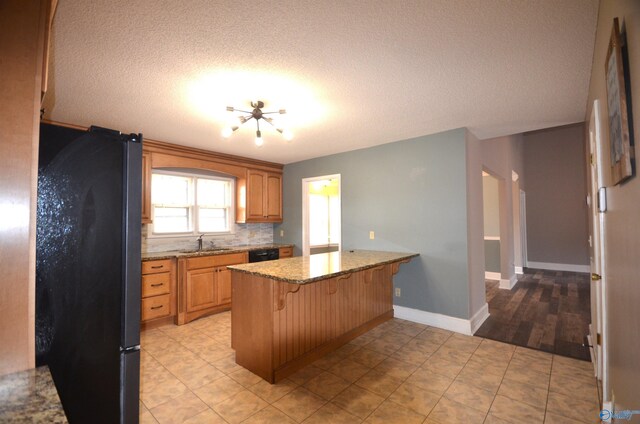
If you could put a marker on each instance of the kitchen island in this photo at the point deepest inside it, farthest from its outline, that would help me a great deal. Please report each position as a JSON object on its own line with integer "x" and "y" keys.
{"x": 289, "y": 312}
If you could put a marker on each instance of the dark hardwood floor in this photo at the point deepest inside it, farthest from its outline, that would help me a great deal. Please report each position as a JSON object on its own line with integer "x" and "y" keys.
{"x": 545, "y": 310}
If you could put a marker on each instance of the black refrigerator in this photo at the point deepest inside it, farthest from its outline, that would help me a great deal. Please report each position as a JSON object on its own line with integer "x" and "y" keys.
{"x": 88, "y": 270}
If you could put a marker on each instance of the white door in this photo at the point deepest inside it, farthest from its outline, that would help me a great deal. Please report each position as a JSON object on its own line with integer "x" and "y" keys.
{"x": 598, "y": 327}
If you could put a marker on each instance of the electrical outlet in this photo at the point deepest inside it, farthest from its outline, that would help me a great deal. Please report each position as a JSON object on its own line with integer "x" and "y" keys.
{"x": 281, "y": 233}
{"x": 397, "y": 291}
{"x": 372, "y": 235}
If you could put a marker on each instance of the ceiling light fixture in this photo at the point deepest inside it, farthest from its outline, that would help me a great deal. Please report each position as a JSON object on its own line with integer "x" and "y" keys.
{"x": 256, "y": 114}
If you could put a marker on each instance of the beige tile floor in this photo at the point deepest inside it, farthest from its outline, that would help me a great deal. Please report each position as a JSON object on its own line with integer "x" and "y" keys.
{"x": 399, "y": 372}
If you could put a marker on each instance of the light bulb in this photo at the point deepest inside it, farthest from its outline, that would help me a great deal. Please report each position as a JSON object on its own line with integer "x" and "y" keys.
{"x": 226, "y": 132}
{"x": 288, "y": 135}
{"x": 259, "y": 140}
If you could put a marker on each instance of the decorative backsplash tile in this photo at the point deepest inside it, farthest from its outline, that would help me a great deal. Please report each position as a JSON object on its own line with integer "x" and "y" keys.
{"x": 243, "y": 234}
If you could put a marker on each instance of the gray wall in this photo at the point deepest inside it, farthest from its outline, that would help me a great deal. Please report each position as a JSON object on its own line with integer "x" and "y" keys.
{"x": 492, "y": 255}
{"x": 413, "y": 194}
{"x": 622, "y": 241}
{"x": 475, "y": 230}
{"x": 557, "y": 228}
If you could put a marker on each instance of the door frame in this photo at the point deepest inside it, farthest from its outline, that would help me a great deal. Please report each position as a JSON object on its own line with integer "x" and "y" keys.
{"x": 598, "y": 261}
{"x": 306, "y": 248}
{"x": 523, "y": 227}
{"x": 518, "y": 256}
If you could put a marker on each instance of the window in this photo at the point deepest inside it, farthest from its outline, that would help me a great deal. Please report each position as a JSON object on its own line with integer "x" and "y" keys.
{"x": 185, "y": 203}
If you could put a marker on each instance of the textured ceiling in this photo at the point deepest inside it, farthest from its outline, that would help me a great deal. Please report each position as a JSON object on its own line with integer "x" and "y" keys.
{"x": 351, "y": 74}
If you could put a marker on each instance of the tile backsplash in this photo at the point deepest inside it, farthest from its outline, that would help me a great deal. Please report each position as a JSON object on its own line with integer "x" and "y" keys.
{"x": 243, "y": 234}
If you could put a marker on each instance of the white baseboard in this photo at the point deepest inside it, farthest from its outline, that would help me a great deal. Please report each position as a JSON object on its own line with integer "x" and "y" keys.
{"x": 559, "y": 267}
{"x": 488, "y": 275}
{"x": 607, "y": 406}
{"x": 459, "y": 325}
{"x": 508, "y": 284}
{"x": 519, "y": 270}
{"x": 479, "y": 318}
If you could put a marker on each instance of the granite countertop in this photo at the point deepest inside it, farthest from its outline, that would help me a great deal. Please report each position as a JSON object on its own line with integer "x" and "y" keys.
{"x": 30, "y": 397}
{"x": 307, "y": 269}
{"x": 149, "y": 256}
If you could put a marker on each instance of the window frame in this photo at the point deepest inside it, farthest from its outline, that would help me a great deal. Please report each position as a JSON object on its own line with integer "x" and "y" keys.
{"x": 193, "y": 208}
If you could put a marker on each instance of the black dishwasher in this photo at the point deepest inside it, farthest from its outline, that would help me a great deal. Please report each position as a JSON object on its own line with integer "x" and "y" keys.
{"x": 260, "y": 255}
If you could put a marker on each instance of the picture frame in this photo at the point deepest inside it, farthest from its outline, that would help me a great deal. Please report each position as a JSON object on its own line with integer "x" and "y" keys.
{"x": 617, "y": 106}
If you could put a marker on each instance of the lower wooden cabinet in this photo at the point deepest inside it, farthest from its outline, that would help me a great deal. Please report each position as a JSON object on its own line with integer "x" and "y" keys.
{"x": 285, "y": 252}
{"x": 156, "y": 307}
{"x": 158, "y": 292}
{"x": 224, "y": 285}
{"x": 205, "y": 285}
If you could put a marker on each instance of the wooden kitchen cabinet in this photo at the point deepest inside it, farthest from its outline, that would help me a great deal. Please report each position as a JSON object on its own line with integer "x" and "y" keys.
{"x": 224, "y": 285}
{"x": 201, "y": 289}
{"x": 146, "y": 187}
{"x": 158, "y": 292}
{"x": 258, "y": 183}
{"x": 263, "y": 196}
{"x": 285, "y": 252}
{"x": 205, "y": 285}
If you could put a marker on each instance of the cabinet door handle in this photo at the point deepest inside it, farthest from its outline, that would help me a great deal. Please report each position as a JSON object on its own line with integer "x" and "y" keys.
{"x": 156, "y": 307}
{"x": 157, "y": 266}
{"x": 157, "y": 285}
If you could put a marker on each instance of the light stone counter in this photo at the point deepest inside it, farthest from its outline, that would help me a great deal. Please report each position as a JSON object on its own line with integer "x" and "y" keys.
{"x": 307, "y": 269}
{"x": 222, "y": 250}
{"x": 30, "y": 397}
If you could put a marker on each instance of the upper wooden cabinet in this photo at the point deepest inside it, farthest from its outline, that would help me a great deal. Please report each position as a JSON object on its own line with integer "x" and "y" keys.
{"x": 146, "y": 187}
{"x": 258, "y": 183}
{"x": 263, "y": 197}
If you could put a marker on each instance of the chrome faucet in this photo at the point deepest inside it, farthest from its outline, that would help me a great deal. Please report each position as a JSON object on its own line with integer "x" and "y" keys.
{"x": 200, "y": 242}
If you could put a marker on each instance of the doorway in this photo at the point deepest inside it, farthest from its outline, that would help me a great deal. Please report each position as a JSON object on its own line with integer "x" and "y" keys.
{"x": 321, "y": 214}
{"x": 491, "y": 214}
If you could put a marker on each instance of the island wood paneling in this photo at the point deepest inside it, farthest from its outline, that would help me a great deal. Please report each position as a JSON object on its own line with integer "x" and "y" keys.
{"x": 279, "y": 327}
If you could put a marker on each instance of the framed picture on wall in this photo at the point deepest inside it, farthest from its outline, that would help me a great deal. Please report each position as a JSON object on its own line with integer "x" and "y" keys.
{"x": 619, "y": 128}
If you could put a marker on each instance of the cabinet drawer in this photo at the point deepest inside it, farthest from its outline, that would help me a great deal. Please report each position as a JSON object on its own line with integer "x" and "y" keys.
{"x": 217, "y": 260}
{"x": 286, "y": 252}
{"x": 156, "y": 307}
{"x": 155, "y": 284}
{"x": 154, "y": 267}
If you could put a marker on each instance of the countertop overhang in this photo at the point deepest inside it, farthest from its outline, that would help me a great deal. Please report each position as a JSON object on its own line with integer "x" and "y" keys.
{"x": 307, "y": 269}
